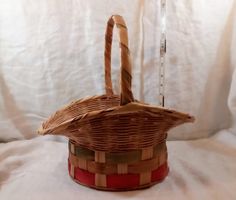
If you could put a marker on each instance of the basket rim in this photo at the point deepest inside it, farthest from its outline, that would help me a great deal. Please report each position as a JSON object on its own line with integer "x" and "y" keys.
{"x": 131, "y": 107}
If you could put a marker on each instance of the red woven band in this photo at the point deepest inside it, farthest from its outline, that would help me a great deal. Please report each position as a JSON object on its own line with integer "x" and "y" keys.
{"x": 117, "y": 181}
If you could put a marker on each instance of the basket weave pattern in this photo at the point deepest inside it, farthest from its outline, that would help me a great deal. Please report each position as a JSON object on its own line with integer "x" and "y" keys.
{"x": 116, "y": 171}
{"x": 115, "y": 142}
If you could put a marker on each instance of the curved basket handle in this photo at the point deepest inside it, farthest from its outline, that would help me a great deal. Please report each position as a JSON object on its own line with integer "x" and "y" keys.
{"x": 126, "y": 77}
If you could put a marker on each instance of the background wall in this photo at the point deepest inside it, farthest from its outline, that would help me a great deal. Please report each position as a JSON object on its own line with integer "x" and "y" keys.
{"x": 51, "y": 52}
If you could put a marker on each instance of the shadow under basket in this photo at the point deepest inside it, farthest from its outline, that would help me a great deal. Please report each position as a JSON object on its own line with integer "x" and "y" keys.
{"x": 115, "y": 142}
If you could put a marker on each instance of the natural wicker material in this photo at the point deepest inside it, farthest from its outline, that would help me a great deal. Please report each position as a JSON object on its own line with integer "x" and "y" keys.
{"x": 114, "y": 138}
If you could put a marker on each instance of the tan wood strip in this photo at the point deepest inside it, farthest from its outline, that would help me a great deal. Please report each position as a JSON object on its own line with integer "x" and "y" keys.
{"x": 82, "y": 164}
{"x": 147, "y": 153}
{"x": 100, "y": 156}
{"x": 162, "y": 157}
{"x": 100, "y": 180}
{"x": 123, "y": 37}
{"x": 72, "y": 170}
{"x": 119, "y": 20}
{"x": 102, "y": 168}
{"x": 145, "y": 178}
{"x": 72, "y": 148}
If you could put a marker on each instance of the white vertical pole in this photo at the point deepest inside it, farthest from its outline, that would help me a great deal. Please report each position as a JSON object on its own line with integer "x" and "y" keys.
{"x": 162, "y": 54}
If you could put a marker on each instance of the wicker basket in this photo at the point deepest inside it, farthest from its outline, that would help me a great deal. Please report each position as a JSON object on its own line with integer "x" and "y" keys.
{"x": 115, "y": 142}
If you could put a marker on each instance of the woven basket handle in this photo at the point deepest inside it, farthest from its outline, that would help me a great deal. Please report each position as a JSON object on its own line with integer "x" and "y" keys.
{"x": 126, "y": 77}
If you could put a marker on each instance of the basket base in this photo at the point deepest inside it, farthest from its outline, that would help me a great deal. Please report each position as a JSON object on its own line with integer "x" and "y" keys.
{"x": 158, "y": 176}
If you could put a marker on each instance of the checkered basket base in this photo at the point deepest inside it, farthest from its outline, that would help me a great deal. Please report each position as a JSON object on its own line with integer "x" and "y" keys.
{"x": 118, "y": 171}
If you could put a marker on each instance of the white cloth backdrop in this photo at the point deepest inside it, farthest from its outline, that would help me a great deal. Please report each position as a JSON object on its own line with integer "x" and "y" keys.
{"x": 51, "y": 52}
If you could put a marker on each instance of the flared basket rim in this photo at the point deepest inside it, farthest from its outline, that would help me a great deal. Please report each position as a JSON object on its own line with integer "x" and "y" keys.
{"x": 133, "y": 107}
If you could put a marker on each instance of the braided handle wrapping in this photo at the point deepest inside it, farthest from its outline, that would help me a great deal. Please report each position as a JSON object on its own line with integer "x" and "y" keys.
{"x": 126, "y": 77}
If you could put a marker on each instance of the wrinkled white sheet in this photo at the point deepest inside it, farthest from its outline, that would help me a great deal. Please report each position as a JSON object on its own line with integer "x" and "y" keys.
{"x": 51, "y": 52}
{"x": 201, "y": 169}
